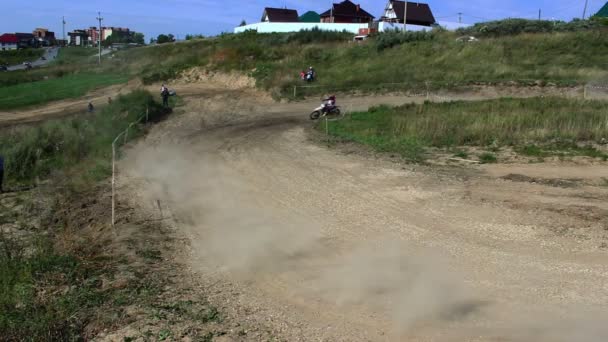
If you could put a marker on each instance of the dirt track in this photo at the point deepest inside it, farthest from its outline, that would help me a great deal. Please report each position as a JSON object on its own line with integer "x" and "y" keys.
{"x": 319, "y": 244}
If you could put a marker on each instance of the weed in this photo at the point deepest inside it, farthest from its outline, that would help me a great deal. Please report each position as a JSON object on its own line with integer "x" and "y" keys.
{"x": 461, "y": 154}
{"x": 164, "y": 334}
{"x": 488, "y": 158}
{"x": 150, "y": 255}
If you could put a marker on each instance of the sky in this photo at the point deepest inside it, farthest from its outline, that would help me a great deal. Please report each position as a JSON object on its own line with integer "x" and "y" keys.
{"x": 210, "y": 17}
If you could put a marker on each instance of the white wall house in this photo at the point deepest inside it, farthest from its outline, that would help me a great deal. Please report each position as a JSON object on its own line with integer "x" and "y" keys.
{"x": 8, "y": 46}
{"x": 267, "y": 27}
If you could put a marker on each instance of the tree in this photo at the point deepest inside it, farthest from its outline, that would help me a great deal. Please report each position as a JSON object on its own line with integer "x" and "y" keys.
{"x": 194, "y": 36}
{"x": 164, "y": 38}
{"x": 243, "y": 23}
{"x": 139, "y": 38}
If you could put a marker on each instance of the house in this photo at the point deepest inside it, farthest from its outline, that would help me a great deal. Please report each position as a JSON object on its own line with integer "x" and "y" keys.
{"x": 117, "y": 31}
{"x": 78, "y": 38}
{"x": 279, "y": 15}
{"x": 417, "y": 13}
{"x": 26, "y": 40}
{"x": 8, "y": 41}
{"x": 310, "y": 17}
{"x": 346, "y": 12}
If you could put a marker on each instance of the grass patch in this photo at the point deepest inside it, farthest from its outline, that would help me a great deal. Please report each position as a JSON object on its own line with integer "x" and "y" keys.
{"x": 534, "y": 127}
{"x": 14, "y": 57}
{"x": 28, "y": 314}
{"x": 488, "y": 158}
{"x": 72, "y": 86}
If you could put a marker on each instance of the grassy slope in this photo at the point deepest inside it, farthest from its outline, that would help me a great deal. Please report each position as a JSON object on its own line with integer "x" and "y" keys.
{"x": 71, "y": 86}
{"x": 14, "y": 57}
{"x": 32, "y": 152}
{"x": 535, "y": 126}
{"x": 275, "y": 60}
{"x": 561, "y": 58}
{"x": 79, "y": 147}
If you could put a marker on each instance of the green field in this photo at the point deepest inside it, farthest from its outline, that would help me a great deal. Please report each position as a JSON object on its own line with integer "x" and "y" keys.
{"x": 535, "y": 126}
{"x": 14, "y": 57}
{"x": 39, "y": 92}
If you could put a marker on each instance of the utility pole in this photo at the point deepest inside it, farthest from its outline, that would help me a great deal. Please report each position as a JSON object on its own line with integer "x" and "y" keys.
{"x": 99, "y": 35}
{"x": 539, "y": 14}
{"x": 63, "y": 22}
{"x": 585, "y": 10}
{"x": 460, "y": 17}
{"x": 404, "y": 16}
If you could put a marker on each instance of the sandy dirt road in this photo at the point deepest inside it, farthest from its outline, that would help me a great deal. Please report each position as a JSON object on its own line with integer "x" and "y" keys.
{"x": 319, "y": 244}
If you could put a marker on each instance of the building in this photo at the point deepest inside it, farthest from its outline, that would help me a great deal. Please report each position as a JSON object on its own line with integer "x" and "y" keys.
{"x": 279, "y": 15}
{"x": 26, "y": 40}
{"x": 44, "y": 34}
{"x": 417, "y": 13}
{"x": 78, "y": 38}
{"x": 603, "y": 12}
{"x": 310, "y": 17}
{"x": 346, "y": 12}
{"x": 9, "y": 41}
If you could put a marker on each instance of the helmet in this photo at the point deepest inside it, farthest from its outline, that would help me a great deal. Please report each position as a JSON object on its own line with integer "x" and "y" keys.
{"x": 310, "y": 68}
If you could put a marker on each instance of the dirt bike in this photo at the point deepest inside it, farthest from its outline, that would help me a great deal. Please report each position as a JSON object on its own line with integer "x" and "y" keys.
{"x": 323, "y": 111}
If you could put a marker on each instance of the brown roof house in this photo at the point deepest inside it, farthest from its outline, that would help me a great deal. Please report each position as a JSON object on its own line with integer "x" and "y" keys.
{"x": 280, "y": 15}
{"x": 417, "y": 13}
{"x": 346, "y": 12}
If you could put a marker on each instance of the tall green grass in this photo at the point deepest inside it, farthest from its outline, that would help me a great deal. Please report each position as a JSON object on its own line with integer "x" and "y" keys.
{"x": 55, "y": 145}
{"x": 554, "y": 124}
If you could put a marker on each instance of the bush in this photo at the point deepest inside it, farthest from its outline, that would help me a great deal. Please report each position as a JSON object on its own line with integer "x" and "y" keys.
{"x": 517, "y": 26}
{"x": 390, "y": 39}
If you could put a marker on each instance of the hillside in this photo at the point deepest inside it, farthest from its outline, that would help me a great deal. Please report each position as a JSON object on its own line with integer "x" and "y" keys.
{"x": 390, "y": 61}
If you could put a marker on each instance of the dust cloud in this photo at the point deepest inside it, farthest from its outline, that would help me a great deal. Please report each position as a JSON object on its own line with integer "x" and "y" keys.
{"x": 234, "y": 225}
{"x": 232, "y": 228}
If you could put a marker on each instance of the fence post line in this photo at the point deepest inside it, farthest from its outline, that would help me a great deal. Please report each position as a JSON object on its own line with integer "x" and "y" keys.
{"x": 295, "y": 90}
{"x": 327, "y": 128}
{"x": 585, "y": 92}
{"x": 147, "y": 113}
{"x": 113, "y": 182}
{"x": 126, "y": 135}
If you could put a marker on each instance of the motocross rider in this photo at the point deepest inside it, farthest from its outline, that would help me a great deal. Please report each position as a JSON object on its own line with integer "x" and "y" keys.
{"x": 329, "y": 103}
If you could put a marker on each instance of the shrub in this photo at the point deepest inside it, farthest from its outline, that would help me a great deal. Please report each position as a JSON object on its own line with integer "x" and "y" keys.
{"x": 390, "y": 39}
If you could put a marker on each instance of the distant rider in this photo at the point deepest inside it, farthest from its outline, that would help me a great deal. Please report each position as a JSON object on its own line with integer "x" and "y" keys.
{"x": 310, "y": 74}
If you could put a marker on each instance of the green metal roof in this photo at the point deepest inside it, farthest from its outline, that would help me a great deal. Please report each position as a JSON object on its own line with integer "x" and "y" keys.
{"x": 310, "y": 17}
{"x": 603, "y": 12}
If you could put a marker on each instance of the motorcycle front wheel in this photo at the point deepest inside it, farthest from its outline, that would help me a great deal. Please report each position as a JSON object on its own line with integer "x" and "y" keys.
{"x": 315, "y": 115}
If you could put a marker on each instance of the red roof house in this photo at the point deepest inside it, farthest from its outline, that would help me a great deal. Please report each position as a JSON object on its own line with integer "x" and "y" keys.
{"x": 8, "y": 41}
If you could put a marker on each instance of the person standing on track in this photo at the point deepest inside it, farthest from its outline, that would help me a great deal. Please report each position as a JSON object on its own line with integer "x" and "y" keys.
{"x": 164, "y": 93}
{"x": 1, "y": 173}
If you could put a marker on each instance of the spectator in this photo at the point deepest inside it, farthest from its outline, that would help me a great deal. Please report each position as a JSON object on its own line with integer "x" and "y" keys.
{"x": 91, "y": 108}
{"x": 164, "y": 93}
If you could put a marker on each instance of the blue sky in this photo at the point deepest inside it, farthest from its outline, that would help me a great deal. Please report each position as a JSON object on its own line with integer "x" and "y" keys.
{"x": 214, "y": 16}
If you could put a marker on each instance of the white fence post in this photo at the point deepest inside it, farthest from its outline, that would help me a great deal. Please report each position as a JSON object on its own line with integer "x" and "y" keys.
{"x": 295, "y": 91}
{"x": 113, "y": 181}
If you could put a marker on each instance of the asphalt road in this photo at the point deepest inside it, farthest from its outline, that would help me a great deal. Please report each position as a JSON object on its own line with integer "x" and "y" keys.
{"x": 50, "y": 54}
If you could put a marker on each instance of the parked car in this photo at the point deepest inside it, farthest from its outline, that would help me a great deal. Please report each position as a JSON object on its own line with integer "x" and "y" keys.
{"x": 466, "y": 39}
{"x": 3, "y": 68}
{"x": 43, "y": 58}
